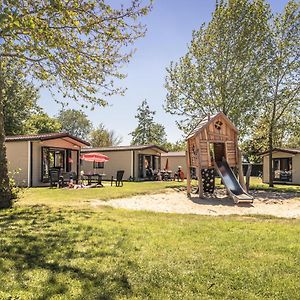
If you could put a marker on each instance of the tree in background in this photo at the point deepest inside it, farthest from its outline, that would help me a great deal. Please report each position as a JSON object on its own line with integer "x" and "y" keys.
{"x": 147, "y": 131}
{"x": 41, "y": 123}
{"x": 76, "y": 47}
{"x": 293, "y": 131}
{"x": 277, "y": 124}
{"x": 286, "y": 135}
{"x": 222, "y": 68}
{"x": 245, "y": 63}
{"x": 75, "y": 122}
{"x": 102, "y": 137}
{"x": 175, "y": 147}
{"x": 282, "y": 76}
{"x": 19, "y": 99}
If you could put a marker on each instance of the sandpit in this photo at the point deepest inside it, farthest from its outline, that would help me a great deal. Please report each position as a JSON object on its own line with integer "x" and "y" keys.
{"x": 285, "y": 205}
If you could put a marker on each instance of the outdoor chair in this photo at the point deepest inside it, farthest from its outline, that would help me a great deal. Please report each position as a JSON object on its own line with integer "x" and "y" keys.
{"x": 55, "y": 179}
{"x": 119, "y": 179}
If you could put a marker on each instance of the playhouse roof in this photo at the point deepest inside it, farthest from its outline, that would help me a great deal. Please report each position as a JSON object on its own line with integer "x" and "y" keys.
{"x": 208, "y": 120}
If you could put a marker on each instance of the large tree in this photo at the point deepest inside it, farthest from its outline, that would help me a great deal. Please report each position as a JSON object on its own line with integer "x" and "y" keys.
{"x": 282, "y": 76}
{"x": 75, "y": 122}
{"x": 222, "y": 68}
{"x": 76, "y": 47}
{"x": 20, "y": 101}
{"x": 102, "y": 137}
{"x": 147, "y": 131}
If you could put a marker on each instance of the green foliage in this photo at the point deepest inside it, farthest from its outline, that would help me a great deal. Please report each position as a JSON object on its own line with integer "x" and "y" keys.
{"x": 282, "y": 93}
{"x": 175, "y": 147}
{"x": 77, "y": 47}
{"x": 20, "y": 101}
{"x": 286, "y": 134}
{"x": 279, "y": 110}
{"x": 15, "y": 191}
{"x": 75, "y": 122}
{"x": 42, "y": 123}
{"x": 147, "y": 131}
{"x": 222, "y": 68}
{"x": 102, "y": 137}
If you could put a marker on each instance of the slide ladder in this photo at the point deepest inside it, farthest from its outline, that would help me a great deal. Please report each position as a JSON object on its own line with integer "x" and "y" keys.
{"x": 231, "y": 183}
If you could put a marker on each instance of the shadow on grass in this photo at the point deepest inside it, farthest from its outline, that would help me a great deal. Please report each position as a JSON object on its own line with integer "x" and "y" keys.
{"x": 67, "y": 251}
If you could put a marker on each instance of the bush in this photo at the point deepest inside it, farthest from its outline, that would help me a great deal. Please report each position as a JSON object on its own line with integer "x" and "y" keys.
{"x": 14, "y": 189}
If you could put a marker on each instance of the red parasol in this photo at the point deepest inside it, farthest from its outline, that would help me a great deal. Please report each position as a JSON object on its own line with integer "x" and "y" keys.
{"x": 94, "y": 156}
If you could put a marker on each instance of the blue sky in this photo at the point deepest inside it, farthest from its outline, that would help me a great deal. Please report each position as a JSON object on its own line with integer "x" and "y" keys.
{"x": 169, "y": 30}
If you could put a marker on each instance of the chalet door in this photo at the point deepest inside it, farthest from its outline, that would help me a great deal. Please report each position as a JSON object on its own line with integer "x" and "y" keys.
{"x": 282, "y": 169}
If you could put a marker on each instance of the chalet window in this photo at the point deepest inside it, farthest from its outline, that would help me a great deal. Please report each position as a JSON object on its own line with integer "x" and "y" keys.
{"x": 52, "y": 159}
{"x": 57, "y": 159}
{"x": 282, "y": 169}
{"x": 146, "y": 162}
{"x": 98, "y": 165}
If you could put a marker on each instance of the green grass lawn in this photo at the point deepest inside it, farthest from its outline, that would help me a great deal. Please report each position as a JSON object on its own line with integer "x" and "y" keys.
{"x": 51, "y": 247}
{"x": 80, "y": 197}
{"x": 257, "y": 184}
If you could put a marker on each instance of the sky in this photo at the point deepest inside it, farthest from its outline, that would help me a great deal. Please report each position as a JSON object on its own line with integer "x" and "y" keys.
{"x": 169, "y": 31}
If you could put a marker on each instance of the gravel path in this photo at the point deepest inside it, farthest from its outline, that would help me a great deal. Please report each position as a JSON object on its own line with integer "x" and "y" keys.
{"x": 283, "y": 205}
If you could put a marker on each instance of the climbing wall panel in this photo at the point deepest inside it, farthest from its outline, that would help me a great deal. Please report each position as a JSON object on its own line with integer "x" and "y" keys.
{"x": 208, "y": 180}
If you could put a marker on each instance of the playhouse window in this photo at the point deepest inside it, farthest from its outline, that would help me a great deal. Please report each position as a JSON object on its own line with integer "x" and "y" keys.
{"x": 218, "y": 125}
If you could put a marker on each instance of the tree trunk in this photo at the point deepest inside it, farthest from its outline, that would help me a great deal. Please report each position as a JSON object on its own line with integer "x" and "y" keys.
{"x": 271, "y": 173}
{"x": 5, "y": 193}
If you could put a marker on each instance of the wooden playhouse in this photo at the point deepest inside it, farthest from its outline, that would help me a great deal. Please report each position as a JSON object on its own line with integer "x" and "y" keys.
{"x": 213, "y": 144}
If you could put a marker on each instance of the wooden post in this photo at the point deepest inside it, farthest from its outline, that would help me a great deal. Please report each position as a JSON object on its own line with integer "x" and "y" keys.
{"x": 199, "y": 175}
{"x": 200, "y": 183}
{"x": 248, "y": 174}
{"x": 240, "y": 169}
{"x": 188, "y": 172}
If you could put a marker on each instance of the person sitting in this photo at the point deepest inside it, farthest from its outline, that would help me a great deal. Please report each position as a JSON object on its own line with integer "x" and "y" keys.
{"x": 179, "y": 175}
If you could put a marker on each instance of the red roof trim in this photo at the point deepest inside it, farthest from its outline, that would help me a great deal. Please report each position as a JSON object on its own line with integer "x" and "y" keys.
{"x": 43, "y": 137}
{"x": 122, "y": 148}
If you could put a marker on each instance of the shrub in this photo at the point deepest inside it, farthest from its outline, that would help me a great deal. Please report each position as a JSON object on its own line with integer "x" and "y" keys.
{"x": 13, "y": 187}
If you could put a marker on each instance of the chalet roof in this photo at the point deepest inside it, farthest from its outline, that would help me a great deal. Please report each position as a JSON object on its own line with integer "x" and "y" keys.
{"x": 174, "y": 154}
{"x": 206, "y": 121}
{"x": 285, "y": 150}
{"x": 124, "y": 148}
{"x": 44, "y": 137}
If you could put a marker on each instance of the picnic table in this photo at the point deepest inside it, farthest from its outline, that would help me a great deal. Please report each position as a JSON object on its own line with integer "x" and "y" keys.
{"x": 94, "y": 178}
